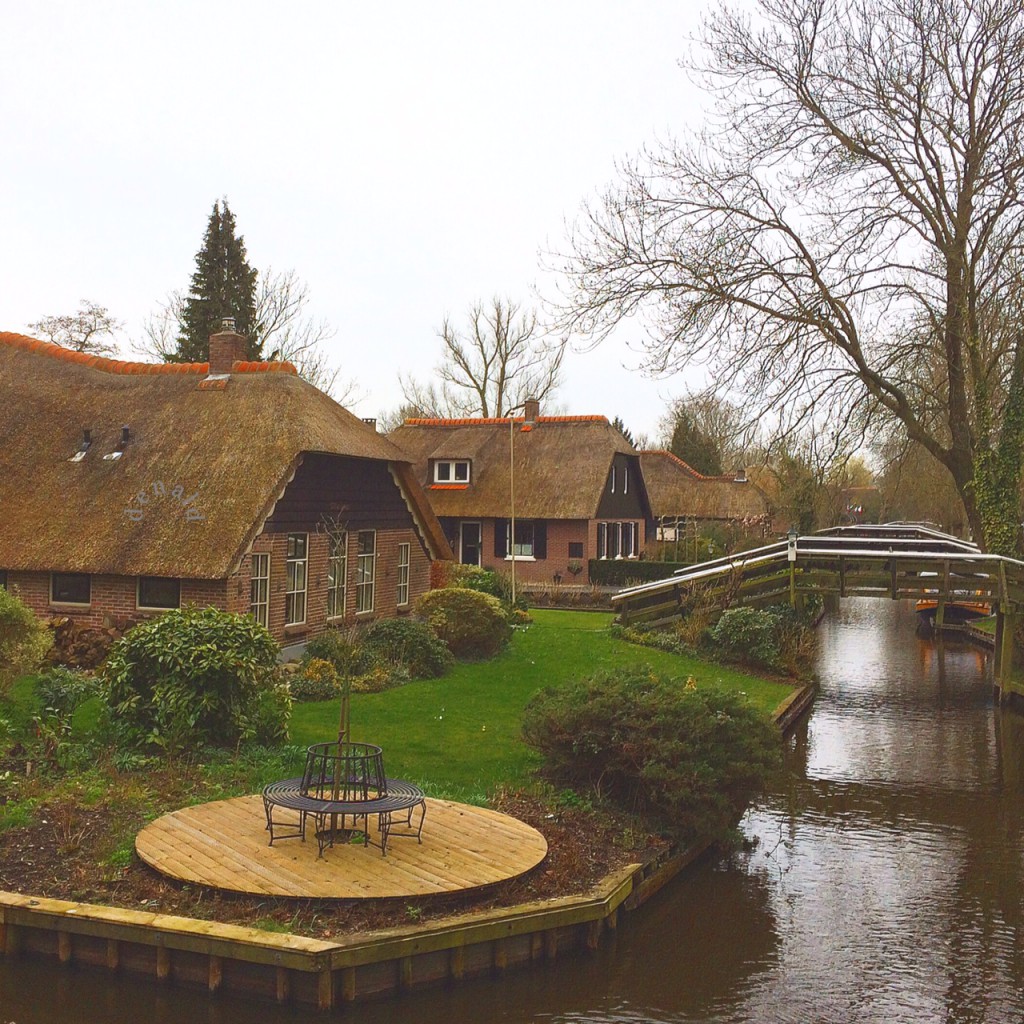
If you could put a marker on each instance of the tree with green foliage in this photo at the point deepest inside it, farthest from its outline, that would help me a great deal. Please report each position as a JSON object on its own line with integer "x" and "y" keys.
{"x": 223, "y": 285}
{"x": 696, "y": 448}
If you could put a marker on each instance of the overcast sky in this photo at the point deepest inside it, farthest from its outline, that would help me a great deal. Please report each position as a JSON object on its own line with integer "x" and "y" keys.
{"x": 405, "y": 159}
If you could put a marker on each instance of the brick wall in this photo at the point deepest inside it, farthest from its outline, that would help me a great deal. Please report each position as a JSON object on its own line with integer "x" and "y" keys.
{"x": 560, "y": 533}
{"x": 112, "y": 597}
{"x": 385, "y": 587}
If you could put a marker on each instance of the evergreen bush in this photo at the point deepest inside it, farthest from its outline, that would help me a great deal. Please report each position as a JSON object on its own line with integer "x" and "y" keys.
{"x": 691, "y": 758}
{"x": 471, "y": 624}
{"x": 752, "y": 635}
{"x": 195, "y": 677}
{"x": 409, "y": 643}
{"x": 343, "y": 648}
{"x": 24, "y": 640}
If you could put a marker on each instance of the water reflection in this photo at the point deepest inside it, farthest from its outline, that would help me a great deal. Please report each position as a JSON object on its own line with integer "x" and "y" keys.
{"x": 881, "y": 882}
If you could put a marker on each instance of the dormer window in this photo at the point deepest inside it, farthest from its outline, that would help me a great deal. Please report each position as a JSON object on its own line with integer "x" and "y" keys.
{"x": 451, "y": 471}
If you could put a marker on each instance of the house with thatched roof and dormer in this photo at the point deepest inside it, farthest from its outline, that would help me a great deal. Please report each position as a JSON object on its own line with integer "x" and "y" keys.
{"x": 550, "y": 492}
{"x": 130, "y": 488}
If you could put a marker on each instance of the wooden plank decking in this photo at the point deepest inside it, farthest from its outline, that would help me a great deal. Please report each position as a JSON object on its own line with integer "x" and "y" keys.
{"x": 224, "y": 845}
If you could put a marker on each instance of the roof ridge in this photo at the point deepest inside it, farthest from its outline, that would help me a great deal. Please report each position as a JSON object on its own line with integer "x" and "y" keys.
{"x": 490, "y": 421}
{"x": 122, "y": 366}
{"x": 726, "y": 477}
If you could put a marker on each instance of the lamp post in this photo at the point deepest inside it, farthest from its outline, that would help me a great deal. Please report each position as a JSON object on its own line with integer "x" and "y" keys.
{"x": 529, "y": 406}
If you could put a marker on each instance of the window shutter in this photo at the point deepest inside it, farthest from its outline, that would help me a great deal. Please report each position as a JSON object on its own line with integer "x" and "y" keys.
{"x": 540, "y": 539}
{"x": 500, "y": 538}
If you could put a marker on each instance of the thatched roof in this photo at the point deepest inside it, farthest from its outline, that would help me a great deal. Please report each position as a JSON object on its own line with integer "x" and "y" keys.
{"x": 561, "y": 464}
{"x": 232, "y": 443}
{"x": 676, "y": 489}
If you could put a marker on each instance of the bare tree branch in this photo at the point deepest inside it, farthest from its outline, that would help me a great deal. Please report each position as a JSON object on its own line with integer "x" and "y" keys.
{"x": 853, "y": 215}
{"x": 88, "y": 330}
{"x": 492, "y": 368}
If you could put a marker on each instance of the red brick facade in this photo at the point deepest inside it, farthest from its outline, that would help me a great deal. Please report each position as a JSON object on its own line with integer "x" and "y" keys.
{"x": 114, "y": 597}
{"x": 560, "y": 533}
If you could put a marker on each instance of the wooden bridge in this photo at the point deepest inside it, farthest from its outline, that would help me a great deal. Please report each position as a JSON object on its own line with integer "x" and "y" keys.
{"x": 896, "y": 561}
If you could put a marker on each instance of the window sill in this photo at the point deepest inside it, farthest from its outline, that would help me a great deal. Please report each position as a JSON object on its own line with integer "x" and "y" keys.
{"x": 70, "y": 604}
{"x": 520, "y": 558}
{"x": 293, "y": 628}
{"x": 335, "y": 618}
{"x": 153, "y": 608}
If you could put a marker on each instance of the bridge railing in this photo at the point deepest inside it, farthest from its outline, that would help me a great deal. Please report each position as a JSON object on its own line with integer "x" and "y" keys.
{"x": 896, "y": 567}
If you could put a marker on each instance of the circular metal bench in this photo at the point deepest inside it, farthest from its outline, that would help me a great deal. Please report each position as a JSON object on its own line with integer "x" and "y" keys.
{"x": 345, "y": 780}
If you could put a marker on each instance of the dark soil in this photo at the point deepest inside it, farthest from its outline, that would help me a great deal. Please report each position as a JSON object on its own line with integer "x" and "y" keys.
{"x": 73, "y": 851}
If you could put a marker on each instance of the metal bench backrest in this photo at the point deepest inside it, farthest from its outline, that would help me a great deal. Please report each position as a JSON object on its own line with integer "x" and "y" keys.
{"x": 344, "y": 771}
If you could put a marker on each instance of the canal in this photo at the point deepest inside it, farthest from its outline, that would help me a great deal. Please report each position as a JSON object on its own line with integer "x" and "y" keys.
{"x": 881, "y": 881}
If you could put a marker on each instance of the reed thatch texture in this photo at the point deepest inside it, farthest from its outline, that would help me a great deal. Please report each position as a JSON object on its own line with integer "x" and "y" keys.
{"x": 230, "y": 449}
{"x": 561, "y": 464}
{"x": 677, "y": 490}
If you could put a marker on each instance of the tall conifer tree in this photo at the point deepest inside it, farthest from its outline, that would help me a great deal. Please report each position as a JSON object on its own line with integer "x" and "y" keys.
{"x": 223, "y": 285}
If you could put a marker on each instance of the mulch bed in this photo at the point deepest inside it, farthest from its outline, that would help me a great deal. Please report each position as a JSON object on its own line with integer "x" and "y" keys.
{"x": 64, "y": 854}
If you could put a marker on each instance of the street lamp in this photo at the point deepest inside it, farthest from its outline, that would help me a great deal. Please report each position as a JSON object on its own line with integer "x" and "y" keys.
{"x": 530, "y": 408}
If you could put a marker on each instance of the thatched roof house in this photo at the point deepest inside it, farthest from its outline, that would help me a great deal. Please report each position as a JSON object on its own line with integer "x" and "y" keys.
{"x": 128, "y": 470}
{"x": 677, "y": 491}
{"x": 578, "y": 490}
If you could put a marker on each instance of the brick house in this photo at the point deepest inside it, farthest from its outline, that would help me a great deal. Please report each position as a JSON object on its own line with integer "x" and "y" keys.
{"x": 579, "y": 491}
{"x": 130, "y": 488}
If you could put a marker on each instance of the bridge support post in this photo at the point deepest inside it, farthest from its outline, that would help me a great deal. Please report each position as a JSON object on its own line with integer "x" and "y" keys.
{"x": 1006, "y": 627}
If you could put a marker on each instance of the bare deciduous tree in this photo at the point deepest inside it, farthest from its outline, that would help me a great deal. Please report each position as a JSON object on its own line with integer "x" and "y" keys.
{"x": 491, "y": 369}
{"x": 855, "y": 208}
{"x": 282, "y": 327}
{"x": 91, "y": 329}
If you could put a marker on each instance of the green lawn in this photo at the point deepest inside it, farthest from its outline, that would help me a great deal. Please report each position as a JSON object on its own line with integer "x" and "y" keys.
{"x": 459, "y": 736}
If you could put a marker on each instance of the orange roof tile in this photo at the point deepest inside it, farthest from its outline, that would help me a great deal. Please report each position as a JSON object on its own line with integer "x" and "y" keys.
{"x": 95, "y": 362}
{"x": 485, "y": 421}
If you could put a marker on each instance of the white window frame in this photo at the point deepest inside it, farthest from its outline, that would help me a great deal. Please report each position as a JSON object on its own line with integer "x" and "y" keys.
{"x": 510, "y": 549}
{"x": 71, "y": 604}
{"x": 622, "y": 537}
{"x": 259, "y": 560}
{"x": 613, "y": 479}
{"x": 337, "y": 576}
{"x": 404, "y": 559}
{"x": 625, "y": 479}
{"x": 451, "y": 467}
{"x": 153, "y": 607}
{"x": 366, "y": 573}
{"x": 294, "y": 568}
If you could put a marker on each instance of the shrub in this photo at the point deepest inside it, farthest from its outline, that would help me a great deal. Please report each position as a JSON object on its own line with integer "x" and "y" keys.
{"x": 61, "y": 691}
{"x": 485, "y": 581}
{"x": 24, "y": 640}
{"x": 384, "y": 676}
{"x": 409, "y": 643}
{"x": 770, "y": 637}
{"x": 318, "y": 680}
{"x": 690, "y": 758}
{"x": 471, "y": 624}
{"x": 343, "y": 648}
{"x": 192, "y": 678}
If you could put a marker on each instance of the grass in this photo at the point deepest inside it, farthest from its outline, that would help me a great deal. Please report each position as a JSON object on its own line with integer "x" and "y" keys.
{"x": 459, "y": 736}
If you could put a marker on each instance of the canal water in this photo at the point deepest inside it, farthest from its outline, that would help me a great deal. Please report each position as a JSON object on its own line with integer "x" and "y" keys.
{"x": 882, "y": 881}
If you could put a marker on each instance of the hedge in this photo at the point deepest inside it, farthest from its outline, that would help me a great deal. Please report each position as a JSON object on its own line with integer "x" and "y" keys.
{"x": 620, "y": 571}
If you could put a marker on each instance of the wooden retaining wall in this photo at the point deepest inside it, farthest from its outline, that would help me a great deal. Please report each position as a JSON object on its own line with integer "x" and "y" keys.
{"x": 330, "y": 973}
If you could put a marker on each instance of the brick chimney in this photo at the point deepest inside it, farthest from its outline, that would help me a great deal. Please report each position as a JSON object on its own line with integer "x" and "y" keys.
{"x": 226, "y": 346}
{"x": 531, "y": 410}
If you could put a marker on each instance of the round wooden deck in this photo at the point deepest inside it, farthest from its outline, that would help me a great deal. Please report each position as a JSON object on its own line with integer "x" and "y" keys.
{"x": 224, "y": 845}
